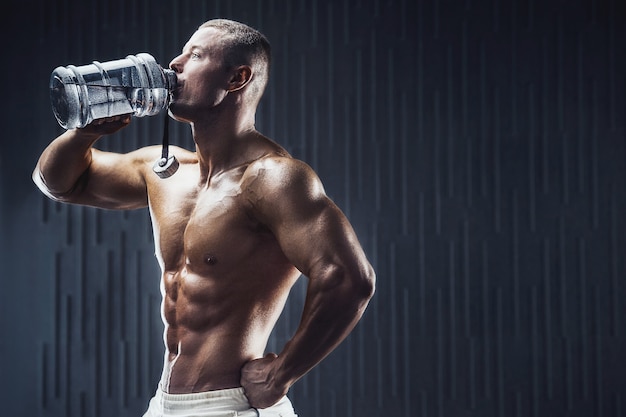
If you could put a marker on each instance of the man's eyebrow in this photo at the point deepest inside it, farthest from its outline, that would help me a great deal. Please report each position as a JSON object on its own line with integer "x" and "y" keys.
{"x": 193, "y": 46}
{"x": 186, "y": 47}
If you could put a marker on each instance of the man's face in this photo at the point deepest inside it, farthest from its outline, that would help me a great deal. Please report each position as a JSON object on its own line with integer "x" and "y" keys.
{"x": 202, "y": 76}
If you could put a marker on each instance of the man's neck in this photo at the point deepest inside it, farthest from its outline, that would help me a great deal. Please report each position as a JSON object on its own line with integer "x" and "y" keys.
{"x": 221, "y": 143}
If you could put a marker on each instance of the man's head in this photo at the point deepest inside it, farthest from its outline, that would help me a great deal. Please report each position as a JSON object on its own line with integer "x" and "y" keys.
{"x": 244, "y": 45}
{"x": 222, "y": 57}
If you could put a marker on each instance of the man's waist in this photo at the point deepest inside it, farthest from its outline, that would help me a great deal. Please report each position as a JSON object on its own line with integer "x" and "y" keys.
{"x": 236, "y": 394}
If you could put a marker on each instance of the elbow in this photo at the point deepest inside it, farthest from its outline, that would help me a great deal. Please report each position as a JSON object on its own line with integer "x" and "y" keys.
{"x": 354, "y": 284}
{"x": 367, "y": 283}
{"x": 40, "y": 182}
{"x": 357, "y": 284}
{"x": 361, "y": 286}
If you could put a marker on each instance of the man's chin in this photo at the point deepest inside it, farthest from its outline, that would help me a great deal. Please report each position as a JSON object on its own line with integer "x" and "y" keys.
{"x": 174, "y": 113}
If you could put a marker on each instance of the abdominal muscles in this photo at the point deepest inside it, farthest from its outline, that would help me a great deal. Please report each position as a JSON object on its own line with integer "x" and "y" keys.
{"x": 214, "y": 326}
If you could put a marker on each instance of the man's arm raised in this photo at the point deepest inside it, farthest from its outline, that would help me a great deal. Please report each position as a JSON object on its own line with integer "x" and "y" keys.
{"x": 71, "y": 170}
{"x": 287, "y": 196}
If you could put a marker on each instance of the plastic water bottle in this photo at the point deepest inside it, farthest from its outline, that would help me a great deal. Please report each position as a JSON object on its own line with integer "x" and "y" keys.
{"x": 136, "y": 85}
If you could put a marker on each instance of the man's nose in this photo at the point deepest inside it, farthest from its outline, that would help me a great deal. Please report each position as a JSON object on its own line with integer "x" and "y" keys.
{"x": 176, "y": 64}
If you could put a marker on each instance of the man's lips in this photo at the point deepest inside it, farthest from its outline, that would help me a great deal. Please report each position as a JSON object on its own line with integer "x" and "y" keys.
{"x": 176, "y": 90}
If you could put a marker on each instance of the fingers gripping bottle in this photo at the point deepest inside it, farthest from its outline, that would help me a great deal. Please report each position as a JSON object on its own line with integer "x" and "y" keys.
{"x": 135, "y": 85}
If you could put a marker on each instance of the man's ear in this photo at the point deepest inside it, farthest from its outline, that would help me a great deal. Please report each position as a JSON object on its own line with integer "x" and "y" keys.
{"x": 240, "y": 78}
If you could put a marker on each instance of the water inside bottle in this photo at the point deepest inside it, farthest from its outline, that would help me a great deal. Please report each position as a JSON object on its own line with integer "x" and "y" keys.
{"x": 107, "y": 101}
{"x": 148, "y": 101}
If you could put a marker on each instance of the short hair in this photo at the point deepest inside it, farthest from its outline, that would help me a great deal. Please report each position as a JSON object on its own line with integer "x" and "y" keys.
{"x": 244, "y": 45}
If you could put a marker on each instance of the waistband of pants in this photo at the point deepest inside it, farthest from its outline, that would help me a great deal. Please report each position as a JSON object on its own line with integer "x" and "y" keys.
{"x": 205, "y": 395}
{"x": 232, "y": 397}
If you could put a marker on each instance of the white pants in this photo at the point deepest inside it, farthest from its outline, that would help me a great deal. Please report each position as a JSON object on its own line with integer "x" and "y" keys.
{"x": 220, "y": 403}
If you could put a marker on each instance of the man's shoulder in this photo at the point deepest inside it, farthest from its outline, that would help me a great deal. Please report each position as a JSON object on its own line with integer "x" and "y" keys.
{"x": 279, "y": 170}
{"x": 277, "y": 180}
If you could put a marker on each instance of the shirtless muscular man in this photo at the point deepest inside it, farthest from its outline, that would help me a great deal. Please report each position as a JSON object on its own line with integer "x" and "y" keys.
{"x": 234, "y": 228}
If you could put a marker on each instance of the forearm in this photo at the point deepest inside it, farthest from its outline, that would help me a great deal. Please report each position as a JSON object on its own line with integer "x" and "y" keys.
{"x": 64, "y": 161}
{"x": 334, "y": 305}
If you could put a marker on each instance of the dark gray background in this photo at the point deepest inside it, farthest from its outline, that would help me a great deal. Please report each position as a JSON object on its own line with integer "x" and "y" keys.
{"x": 477, "y": 146}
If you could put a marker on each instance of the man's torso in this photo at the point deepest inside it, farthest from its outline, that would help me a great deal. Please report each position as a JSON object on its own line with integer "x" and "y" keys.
{"x": 225, "y": 278}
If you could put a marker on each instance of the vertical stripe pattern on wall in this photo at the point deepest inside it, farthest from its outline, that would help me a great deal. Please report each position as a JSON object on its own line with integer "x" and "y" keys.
{"x": 478, "y": 147}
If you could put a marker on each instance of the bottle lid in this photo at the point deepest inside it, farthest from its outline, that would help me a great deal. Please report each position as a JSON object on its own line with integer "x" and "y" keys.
{"x": 165, "y": 168}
